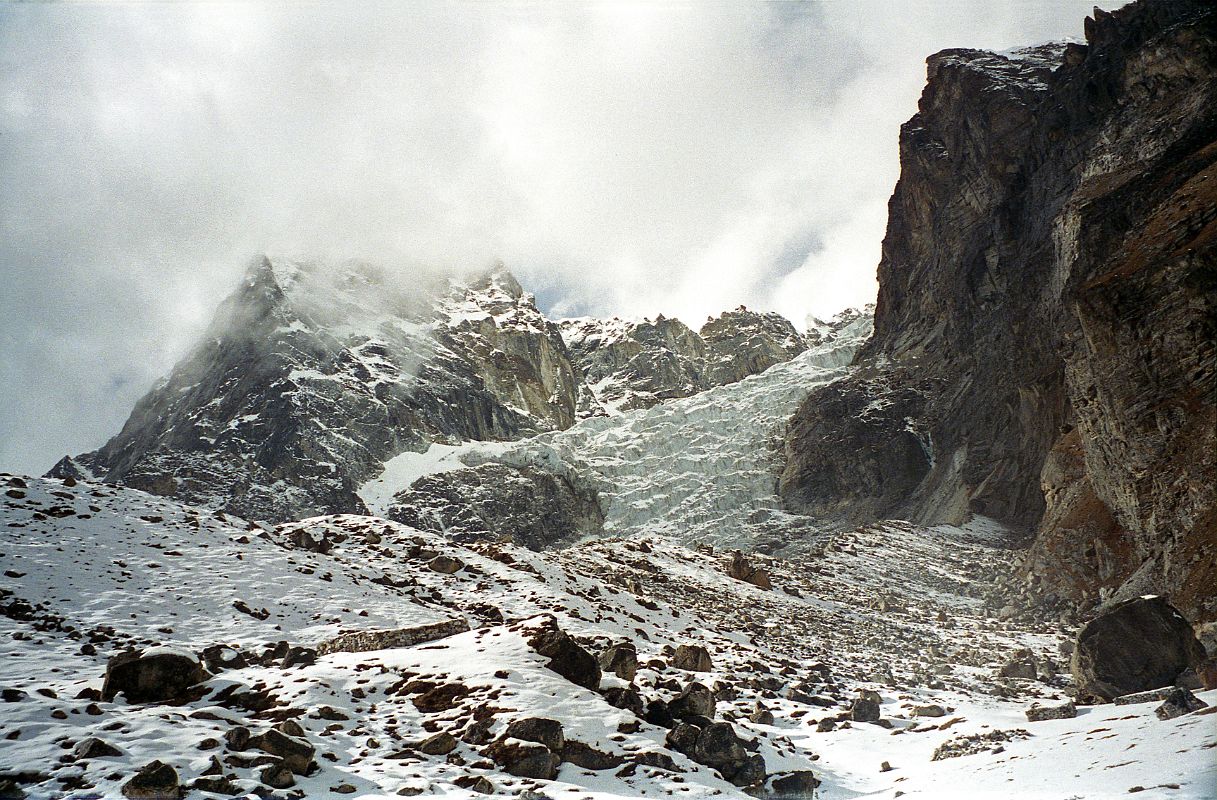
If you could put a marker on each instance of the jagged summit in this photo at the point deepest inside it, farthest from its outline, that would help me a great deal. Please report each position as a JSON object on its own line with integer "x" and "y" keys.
{"x": 314, "y": 374}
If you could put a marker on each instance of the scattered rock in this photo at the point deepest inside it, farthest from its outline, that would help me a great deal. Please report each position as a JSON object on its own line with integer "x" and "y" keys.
{"x": 932, "y": 710}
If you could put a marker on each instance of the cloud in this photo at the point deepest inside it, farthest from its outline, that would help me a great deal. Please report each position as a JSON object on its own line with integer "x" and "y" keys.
{"x": 626, "y": 158}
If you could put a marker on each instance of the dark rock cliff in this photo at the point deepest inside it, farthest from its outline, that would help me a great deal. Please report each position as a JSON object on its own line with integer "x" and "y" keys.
{"x": 1045, "y": 322}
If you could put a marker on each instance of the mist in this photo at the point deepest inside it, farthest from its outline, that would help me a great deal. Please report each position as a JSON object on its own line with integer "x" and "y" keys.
{"x": 619, "y": 158}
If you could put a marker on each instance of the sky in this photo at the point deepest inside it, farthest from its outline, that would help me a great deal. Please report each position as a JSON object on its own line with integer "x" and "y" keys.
{"x": 620, "y": 158}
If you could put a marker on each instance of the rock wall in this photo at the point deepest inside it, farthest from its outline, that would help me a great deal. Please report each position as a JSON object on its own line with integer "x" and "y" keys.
{"x": 1045, "y": 321}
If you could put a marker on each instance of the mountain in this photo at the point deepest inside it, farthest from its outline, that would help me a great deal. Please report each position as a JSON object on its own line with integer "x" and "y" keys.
{"x": 313, "y": 375}
{"x": 638, "y": 364}
{"x": 1046, "y": 330}
{"x": 390, "y": 536}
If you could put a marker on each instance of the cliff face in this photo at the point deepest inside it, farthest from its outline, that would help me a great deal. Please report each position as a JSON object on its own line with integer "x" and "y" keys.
{"x": 1045, "y": 322}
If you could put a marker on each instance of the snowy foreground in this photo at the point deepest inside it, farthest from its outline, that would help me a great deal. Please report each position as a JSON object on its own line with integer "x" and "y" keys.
{"x": 890, "y": 608}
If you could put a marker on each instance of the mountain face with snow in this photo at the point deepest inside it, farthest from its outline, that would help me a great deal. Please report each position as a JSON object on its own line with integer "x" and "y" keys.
{"x": 382, "y": 540}
{"x": 631, "y": 365}
{"x": 312, "y": 376}
{"x": 1045, "y": 341}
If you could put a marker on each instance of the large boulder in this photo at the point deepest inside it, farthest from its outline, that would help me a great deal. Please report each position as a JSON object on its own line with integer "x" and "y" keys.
{"x": 566, "y": 656}
{"x": 297, "y": 754}
{"x": 1134, "y": 646}
{"x": 695, "y": 700}
{"x": 152, "y": 676}
{"x": 537, "y": 729}
{"x": 620, "y": 659}
{"x": 154, "y": 781}
{"x": 524, "y": 759}
{"x": 693, "y": 658}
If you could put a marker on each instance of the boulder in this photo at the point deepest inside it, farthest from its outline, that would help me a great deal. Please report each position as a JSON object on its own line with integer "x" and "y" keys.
{"x": 588, "y": 757}
{"x": 537, "y": 729}
{"x": 694, "y": 700}
{"x": 441, "y": 744}
{"x": 154, "y": 781}
{"x": 94, "y": 748}
{"x": 1021, "y": 665}
{"x": 741, "y": 569}
{"x": 524, "y": 759}
{"x": 297, "y": 754}
{"x": 718, "y": 746}
{"x": 445, "y": 565}
{"x": 932, "y": 710}
{"x": 566, "y": 657}
{"x": 625, "y": 698}
{"x": 277, "y": 776}
{"x": 1039, "y": 713}
{"x": 692, "y": 658}
{"x": 1178, "y": 703}
{"x": 152, "y": 676}
{"x": 794, "y": 784}
{"x": 621, "y": 660}
{"x": 864, "y": 710}
{"x": 1134, "y": 646}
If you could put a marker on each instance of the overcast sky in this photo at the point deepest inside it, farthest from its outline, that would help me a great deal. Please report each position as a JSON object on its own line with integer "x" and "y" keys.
{"x": 621, "y": 158}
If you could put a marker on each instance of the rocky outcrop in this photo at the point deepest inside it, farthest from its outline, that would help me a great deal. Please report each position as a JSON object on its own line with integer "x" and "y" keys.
{"x": 312, "y": 375}
{"x": 529, "y": 506}
{"x": 363, "y": 641}
{"x": 1046, "y": 318}
{"x": 630, "y": 365}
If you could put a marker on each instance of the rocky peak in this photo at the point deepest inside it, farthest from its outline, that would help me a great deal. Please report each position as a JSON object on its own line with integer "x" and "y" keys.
{"x": 313, "y": 374}
{"x": 636, "y": 364}
{"x": 1044, "y": 319}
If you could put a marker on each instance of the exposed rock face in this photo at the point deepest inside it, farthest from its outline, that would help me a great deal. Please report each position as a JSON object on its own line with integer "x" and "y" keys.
{"x": 530, "y": 506}
{"x": 631, "y": 365}
{"x": 1135, "y": 646}
{"x": 1047, "y": 303}
{"x": 311, "y": 376}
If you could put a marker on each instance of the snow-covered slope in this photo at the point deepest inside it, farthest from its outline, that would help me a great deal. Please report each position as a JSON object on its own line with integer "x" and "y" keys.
{"x": 91, "y": 569}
